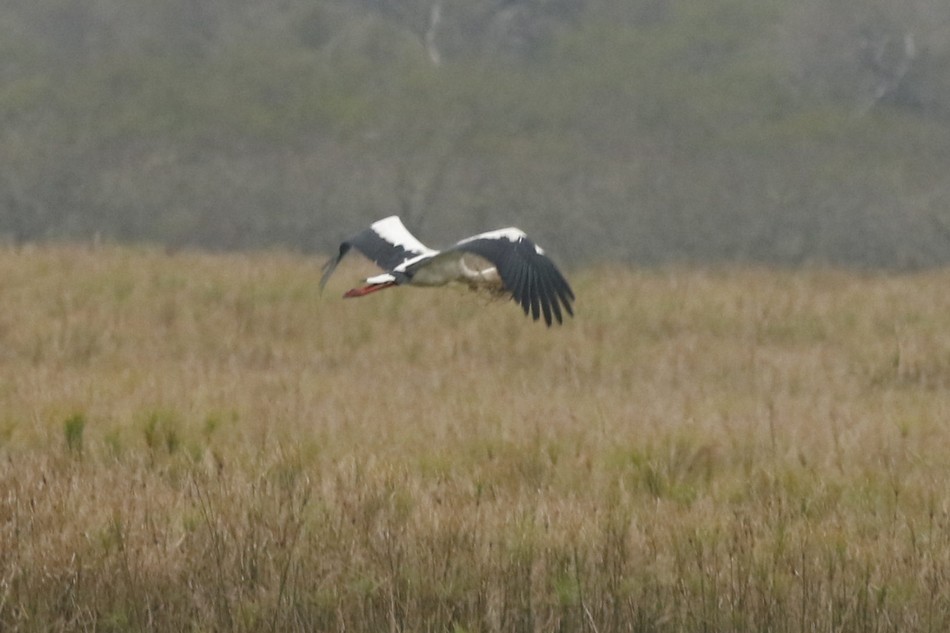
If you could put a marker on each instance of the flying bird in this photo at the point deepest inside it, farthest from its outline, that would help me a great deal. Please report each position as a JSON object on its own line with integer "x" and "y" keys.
{"x": 504, "y": 262}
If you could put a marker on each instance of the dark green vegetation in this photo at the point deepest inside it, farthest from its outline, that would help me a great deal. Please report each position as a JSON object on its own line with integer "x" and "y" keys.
{"x": 200, "y": 443}
{"x": 632, "y": 130}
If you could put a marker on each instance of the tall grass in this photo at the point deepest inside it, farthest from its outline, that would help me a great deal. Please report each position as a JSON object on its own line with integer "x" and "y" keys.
{"x": 204, "y": 442}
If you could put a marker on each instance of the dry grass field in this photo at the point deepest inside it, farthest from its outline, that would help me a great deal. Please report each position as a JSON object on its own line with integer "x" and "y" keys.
{"x": 199, "y": 442}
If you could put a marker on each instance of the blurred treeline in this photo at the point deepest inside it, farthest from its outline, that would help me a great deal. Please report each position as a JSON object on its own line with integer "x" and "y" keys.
{"x": 648, "y": 131}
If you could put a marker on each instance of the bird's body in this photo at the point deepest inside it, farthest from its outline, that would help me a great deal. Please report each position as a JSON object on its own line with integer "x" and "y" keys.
{"x": 504, "y": 262}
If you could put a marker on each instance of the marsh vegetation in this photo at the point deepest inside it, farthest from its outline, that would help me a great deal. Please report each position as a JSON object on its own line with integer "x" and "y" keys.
{"x": 203, "y": 442}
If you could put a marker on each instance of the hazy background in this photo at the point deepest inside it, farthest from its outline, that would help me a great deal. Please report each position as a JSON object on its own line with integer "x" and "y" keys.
{"x": 644, "y": 131}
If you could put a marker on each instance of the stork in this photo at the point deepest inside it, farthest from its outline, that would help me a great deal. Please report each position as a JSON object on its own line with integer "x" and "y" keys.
{"x": 503, "y": 262}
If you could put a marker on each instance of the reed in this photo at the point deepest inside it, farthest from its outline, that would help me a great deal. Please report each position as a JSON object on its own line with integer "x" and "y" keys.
{"x": 204, "y": 442}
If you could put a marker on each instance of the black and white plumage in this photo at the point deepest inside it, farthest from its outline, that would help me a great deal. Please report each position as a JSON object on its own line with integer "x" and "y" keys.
{"x": 503, "y": 262}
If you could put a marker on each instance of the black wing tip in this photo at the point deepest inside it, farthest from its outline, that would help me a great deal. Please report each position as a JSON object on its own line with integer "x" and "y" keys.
{"x": 328, "y": 269}
{"x": 332, "y": 263}
{"x": 549, "y": 308}
{"x": 556, "y": 289}
{"x": 566, "y": 295}
{"x": 542, "y": 292}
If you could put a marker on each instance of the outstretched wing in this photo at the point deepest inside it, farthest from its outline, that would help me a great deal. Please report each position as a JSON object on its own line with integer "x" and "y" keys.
{"x": 530, "y": 275}
{"x": 386, "y": 242}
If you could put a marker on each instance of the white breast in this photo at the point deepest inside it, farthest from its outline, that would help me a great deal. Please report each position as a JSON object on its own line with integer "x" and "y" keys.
{"x": 454, "y": 266}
